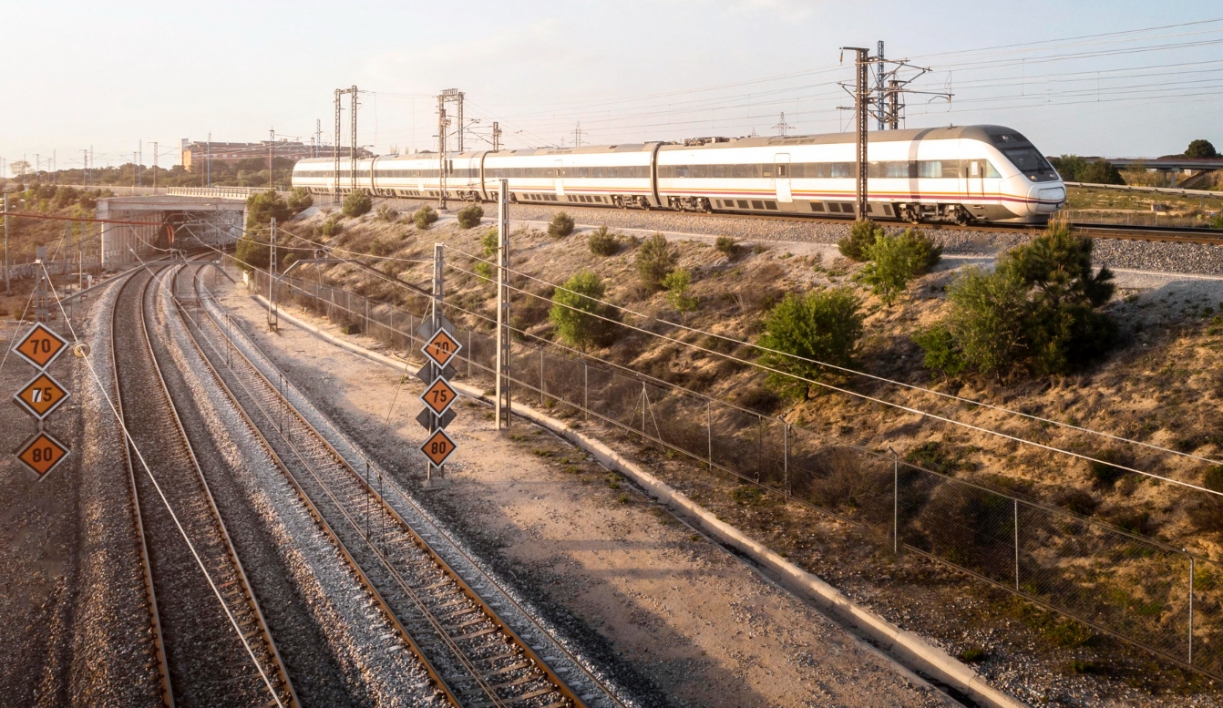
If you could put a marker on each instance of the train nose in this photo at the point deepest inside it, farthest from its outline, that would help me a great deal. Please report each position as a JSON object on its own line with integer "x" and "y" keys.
{"x": 1047, "y": 198}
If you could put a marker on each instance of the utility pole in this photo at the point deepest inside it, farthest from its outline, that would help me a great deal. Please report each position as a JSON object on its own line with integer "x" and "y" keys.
{"x": 85, "y": 161}
{"x": 318, "y": 136}
{"x": 271, "y": 271}
{"x": 861, "y": 113}
{"x": 154, "y": 167}
{"x": 140, "y": 163}
{"x": 880, "y": 71}
{"x": 271, "y": 156}
{"x": 782, "y": 126}
{"x": 443, "y": 124}
{"x": 503, "y": 305}
{"x": 352, "y": 153}
{"x": 208, "y": 157}
{"x": 135, "y": 169}
{"x": 335, "y": 149}
{"x": 577, "y": 135}
{"x": 496, "y": 136}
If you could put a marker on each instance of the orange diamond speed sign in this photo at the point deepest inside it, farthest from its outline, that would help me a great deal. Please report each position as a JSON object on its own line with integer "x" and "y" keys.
{"x": 42, "y": 453}
{"x": 41, "y": 346}
{"x": 41, "y": 396}
{"x": 438, "y": 447}
{"x": 441, "y": 348}
{"x": 439, "y": 396}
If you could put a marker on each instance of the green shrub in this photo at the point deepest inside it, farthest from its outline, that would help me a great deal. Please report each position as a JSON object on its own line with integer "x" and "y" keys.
{"x": 1103, "y": 474}
{"x": 490, "y": 242}
{"x": 603, "y": 242}
{"x": 358, "y": 203}
{"x": 332, "y": 227}
{"x": 823, "y": 326}
{"x": 386, "y": 213}
{"x": 576, "y": 314}
{"x": 861, "y": 235}
{"x": 1037, "y": 311}
{"x": 483, "y": 269}
{"x": 300, "y": 199}
{"x": 726, "y": 246}
{"x": 895, "y": 260}
{"x": 425, "y": 217}
{"x": 470, "y": 215}
{"x": 1101, "y": 172}
{"x": 561, "y": 225}
{"x": 677, "y": 283}
{"x": 262, "y": 207}
{"x": 251, "y": 253}
{"x": 654, "y": 260}
{"x": 1201, "y": 148}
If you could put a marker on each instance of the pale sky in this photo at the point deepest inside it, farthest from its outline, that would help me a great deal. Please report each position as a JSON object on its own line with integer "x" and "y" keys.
{"x": 1077, "y": 76}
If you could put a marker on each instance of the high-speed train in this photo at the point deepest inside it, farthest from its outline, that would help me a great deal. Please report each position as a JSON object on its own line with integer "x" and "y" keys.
{"x": 982, "y": 173}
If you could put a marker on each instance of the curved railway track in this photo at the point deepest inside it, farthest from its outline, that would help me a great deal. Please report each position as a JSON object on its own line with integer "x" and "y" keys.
{"x": 472, "y": 655}
{"x": 202, "y": 659}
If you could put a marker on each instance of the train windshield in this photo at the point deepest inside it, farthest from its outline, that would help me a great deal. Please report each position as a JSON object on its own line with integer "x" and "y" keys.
{"x": 1031, "y": 163}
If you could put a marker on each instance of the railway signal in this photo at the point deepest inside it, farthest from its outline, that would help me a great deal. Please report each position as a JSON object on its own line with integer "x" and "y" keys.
{"x": 439, "y": 349}
{"x": 439, "y": 396}
{"x": 439, "y": 447}
{"x": 42, "y": 453}
{"x": 41, "y": 396}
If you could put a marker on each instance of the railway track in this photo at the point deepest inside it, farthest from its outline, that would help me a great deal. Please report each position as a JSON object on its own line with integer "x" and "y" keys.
{"x": 472, "y": 655}
{"x": 213, "y": 647}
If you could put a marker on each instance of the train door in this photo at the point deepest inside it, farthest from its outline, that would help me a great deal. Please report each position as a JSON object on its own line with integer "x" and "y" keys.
{"x": 974, "y": 179}
{"x": 560, "y": 184}
{"x": 781, "y": 164}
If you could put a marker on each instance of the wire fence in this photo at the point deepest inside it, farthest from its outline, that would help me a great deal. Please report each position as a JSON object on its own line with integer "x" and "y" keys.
{"x": 1136, "y": 589}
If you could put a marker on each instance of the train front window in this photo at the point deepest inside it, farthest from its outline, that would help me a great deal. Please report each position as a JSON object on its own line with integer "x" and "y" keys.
{"x": 1031, "y": 163}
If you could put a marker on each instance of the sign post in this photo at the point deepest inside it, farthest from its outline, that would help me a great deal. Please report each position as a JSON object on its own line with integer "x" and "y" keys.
{"x": 40, "y": 397}
{"x": 440, "y": 348}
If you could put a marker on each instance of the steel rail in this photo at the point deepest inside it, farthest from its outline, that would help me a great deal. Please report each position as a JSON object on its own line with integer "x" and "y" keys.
{"x": 449, "y": 576}
{"x": 167, "y": 692}
{"x": 314, "y": 511}
{"x": 260, "y": 631}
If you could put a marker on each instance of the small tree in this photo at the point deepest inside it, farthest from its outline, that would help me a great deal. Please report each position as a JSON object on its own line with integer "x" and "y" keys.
{"x": 262, "y": 207}
{"x": 677, "y": 283}
{"x": 425, "y": 217}
{"x": 357, "y": 203}
{"x": 252, "y": 252}
{"x": 1101, "y": 172}
{"x": 654, "y": 260}
{"x": 861, "y": 235}
{"x": 561, "y": 226}
{"x": 576, "y": 313}
{"x": 895, "y": 260}
{"x": 332, "y": 227}
{"x": 821, "y": 328}
{"x": 300, "y": 199}
{"x": 490, "y": 242}
{"x": 1201, "y": 148}
{"x": 469, "y": 216}
{"x": 386, "y": 213}
{"x": 985, "y": 323}
{"x": 1070, "y": 167}
{"x": 603, "y": 242}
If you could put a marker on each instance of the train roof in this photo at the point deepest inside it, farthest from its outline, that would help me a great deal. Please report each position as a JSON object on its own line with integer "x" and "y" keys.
{"x": 985, "y": 133}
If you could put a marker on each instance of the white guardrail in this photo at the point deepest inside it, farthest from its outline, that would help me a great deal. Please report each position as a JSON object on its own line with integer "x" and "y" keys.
{"x": 1142, "y": 188}
{"x": 215, "y": 192}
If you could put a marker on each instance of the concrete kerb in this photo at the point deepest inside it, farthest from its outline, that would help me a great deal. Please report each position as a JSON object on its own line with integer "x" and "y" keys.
{"x": 909, "y": 647}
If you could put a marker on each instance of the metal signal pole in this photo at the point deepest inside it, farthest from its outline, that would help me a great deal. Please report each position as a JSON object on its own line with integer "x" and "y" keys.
{"x": 335, "y": 150}
{"x": 861, "y": 113}
{"x": 442, "y": 124}
{"x": 496, "y": 136}
{"x": 352, "y": 165}
{"x": 272, "y": 273}
{"x": 880, "y": 70}
{"x": 503, "y": 305}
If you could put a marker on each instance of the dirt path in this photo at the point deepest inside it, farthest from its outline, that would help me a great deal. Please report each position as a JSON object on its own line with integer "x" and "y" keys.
{"x": 693, "y": 625}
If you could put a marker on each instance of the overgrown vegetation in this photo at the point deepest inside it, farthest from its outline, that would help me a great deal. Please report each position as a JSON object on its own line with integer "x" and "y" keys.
{"x": 357, "y": 203}
{"x": 896, "y": 260}
{"x": 1073, "y": 168}
{"x": 822, "y": 327}
{"x": 603, "y": 242}
{"x": 576, "y": 314}
{"x": 655, "y": 259}
{"x": 470, "y": 215}
{"x": 1037, "y": 312}
{"x": 490, "y": 242}
{"x": 561, "y": 225}
{"x": 386, "y": 214}
{"x": 425, "y": 217}
{"x": 300, "y": 199}
{"x": 726, "y": 246}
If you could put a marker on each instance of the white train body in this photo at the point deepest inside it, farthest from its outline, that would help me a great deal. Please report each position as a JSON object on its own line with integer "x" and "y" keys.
{"x": 966, "y": 174}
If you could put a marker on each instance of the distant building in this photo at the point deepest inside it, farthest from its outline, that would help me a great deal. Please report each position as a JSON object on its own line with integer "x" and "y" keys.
{"x": 196, "y": 154}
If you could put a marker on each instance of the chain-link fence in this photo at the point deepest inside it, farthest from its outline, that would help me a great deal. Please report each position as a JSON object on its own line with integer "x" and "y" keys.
{"x": 1136, "y": 589}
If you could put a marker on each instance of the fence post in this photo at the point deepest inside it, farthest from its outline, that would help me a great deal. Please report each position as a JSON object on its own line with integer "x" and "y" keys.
{"x": 586, "y": 390}
{"x": 469, "y": 353}
{"x": 1191, "y": 574}
{"x": 1016, "y": 506}
{"x": 709, "y": 430}
{"x": 541, "y": 377}
{"x": 895, "y": 503}
{"x": 365, "y": 328}
{"x": 786, "y": 463}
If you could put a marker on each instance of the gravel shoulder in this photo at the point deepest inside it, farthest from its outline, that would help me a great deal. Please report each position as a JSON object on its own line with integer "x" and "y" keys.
{"x": 695, "y": 625}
